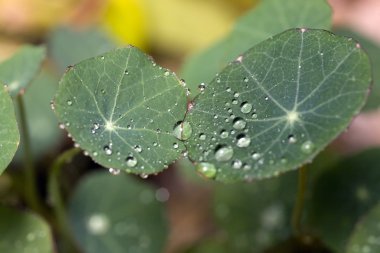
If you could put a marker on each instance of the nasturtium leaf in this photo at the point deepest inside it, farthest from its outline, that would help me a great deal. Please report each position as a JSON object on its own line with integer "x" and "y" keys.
{"x": 366, "y": 236}
{"x": 341, "y": 195}
{"x": 9, "y": 135}
{"x": 122, "y": 109}
{"x": 69, "y": 46}
{"x": 268, "y": 18}
{"x": 263, "y": 221}
{"x": 373, "y": 50}
{"x": 126, "y": 217}
{"x": 19, "y": 70}
{"x": 279, "y": 104}
{"x": 23, "y": 232}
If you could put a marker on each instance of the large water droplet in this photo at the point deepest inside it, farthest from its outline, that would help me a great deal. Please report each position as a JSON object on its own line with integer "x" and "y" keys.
{"x": 239, "y": 123}
{"x": 131, "y": 161}
{"x": 206, "y": 169}
{"x": 98, "y": 224}
{"x": 202, "y": 87}
{"x": 182, "y": 130}
{"x": 243, "y": 140}
{"x": 246, "y": 107}
{"x": 223, "y": 153}
{"x": 307, "y": 147}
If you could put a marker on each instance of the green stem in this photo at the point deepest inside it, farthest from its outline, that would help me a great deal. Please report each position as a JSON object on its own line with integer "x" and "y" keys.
{"x": 30, "y": 190}
{"x": 300, "y": 201}
{"x": 56, "y": 198}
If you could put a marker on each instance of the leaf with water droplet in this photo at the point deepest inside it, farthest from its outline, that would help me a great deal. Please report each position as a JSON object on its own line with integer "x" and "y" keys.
{"x": 23, "y": 232}
{"x": 9, "y": 135}
{"x": 341, "y": 195}
{"x": 117, "y": 115}
{"x": 268, "y": 18}
{"x": 126, "y": 214}
{"x": 366, "y": 236}
{"x": 19, "y": 70}
{"x": 312, "y": 103}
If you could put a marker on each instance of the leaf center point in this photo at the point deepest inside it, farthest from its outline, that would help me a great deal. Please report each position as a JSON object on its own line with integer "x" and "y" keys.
{"x": 110, "y": 126}
{"x": 292, "y": 117}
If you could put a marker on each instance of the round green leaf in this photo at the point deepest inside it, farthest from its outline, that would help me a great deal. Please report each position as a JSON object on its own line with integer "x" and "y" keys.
{"x": 124, "y": 218}
{"x": 19, "y": 70}
{"x": 279, "y": 104}
{"x": 122, "y": 109}
{"x": 366, "y": 236}
{"x": 252, "y": 28}
{"x": 23, "y": 232}
{"x": 9, "y": 135}
{"x": 341, "y": 195}
{"x": 263, "y": 221}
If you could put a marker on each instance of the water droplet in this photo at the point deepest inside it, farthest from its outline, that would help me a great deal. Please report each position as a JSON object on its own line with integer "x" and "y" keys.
{"x": 236, "y": 164}
{"x": 175, "y": 145}
{"x": 234, "y": 102}
{"x": 236, "y": 94}
{"x": 223, "y": 153}
{"x": 98, "y": 224}
{"x": 202, "y": 137}
{"x": 114, "y": 171}
{"x": 202, "y": 87}
{"x": 206, "y": 169}
{"x": 255, "y": 156}
{"x": 292, "y": 139}
{"x": 108, "y": 149}
{"x": 126, "y": 72}
{"x": 166, "y": 73}
{"x": 131, "y": 161}
{"x": 69, "y": 102}
{"x": 182, "y": 130}
{"x": 138, "y": 148}
{"x": 246, "y": 79}
{"x": 307, "y": 147}
{"x": 239, "y": 123}
{"x": 254, "y": 116}
{"x": 62, "y": 126}
{"x": 95, "y": 127}
{"x": 245, "y": 107}
{"x": 243, "y": 141}
{"x": 228, "y": 89}
{"x": 266, "y": 98}
{"x": 155, "y": 144}
{"x": 218, "y": 80}
{"x": 223, "y": 134}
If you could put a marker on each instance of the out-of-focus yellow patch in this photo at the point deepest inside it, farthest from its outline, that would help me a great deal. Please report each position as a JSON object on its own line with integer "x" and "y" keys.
{"x": 126, "y": 21}
{"x": 184, "y": 26}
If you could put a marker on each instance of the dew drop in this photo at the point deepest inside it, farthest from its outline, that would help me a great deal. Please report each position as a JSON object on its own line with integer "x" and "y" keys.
{"x": 223, "y": 153}
{"x": 114, "y": 171}
{"x": 245, "y": 79}
{"x": 108, "y": 149}
{"x": 255, "y": 156}
{"x": 175, "y": 145}
{"x": 208, "y": 170}
{"x": 307, "y": 147}
{"x": 138, "y": 148}
{"x": 246, "y": 107}
{"x": 202, "y": 87}
{"x": 223, "y": 134}
{"x": 292, "y": 139}
{"x": 62, "y": 126}
{"x": 166, "y": 73}
{"x": 243, "y": 141}
{"x": 202, "y": 137}
{"x": 131, "y": 161}
{"x": 69, "y": 102}
{"x": 182, "y": 130}
{"x": 126, "y": 72}
{"x": 239, "y": 123}
{"x": 237, "y": 164}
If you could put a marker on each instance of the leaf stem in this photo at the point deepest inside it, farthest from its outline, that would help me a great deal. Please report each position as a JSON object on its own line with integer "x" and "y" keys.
{"x": 56, "y": 198}
{"x": 300, "y": 201}
{"x": 30, "y": 190}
